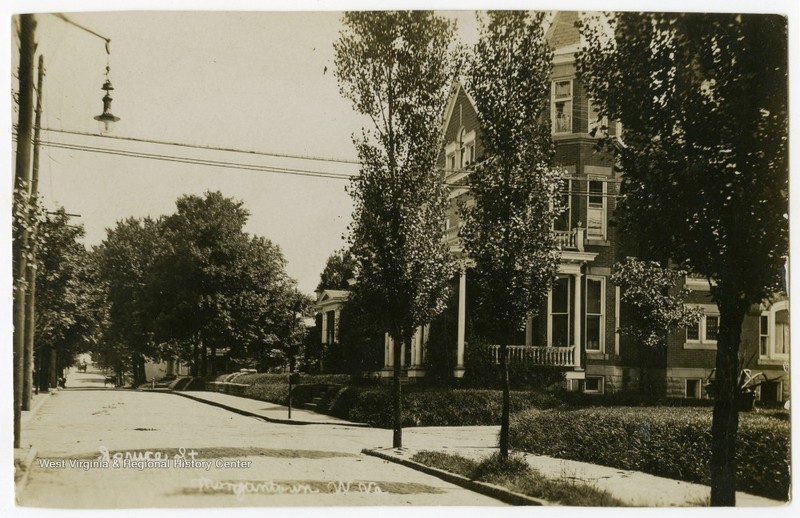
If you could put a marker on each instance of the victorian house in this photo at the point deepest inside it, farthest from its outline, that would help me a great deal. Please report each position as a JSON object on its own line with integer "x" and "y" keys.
{"x": 576, "y": 329}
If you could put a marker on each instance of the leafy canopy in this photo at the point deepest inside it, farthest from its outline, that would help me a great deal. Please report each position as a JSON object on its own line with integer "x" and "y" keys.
{"x": 395, "y": 67}
{"x": 508, "y": 231}
{"x": 703, "y": 104}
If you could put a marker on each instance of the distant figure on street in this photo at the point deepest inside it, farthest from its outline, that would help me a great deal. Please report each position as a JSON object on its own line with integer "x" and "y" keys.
{"x": 62, "y": 382}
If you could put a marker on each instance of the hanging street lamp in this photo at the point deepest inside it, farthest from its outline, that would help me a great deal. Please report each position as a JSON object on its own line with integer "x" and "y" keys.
{"x": 107, "y": 119}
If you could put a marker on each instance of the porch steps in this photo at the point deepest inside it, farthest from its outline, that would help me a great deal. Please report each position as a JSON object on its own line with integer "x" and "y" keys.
{"x": 314, "y": 403}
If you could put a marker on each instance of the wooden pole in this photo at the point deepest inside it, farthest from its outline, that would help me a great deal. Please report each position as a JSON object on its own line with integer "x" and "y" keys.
{"x": 30, "y": 273}
{"x": 23, "y": 167}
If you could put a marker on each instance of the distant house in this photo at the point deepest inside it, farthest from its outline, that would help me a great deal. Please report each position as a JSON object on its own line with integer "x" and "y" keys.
{"x": 329, "y": 306}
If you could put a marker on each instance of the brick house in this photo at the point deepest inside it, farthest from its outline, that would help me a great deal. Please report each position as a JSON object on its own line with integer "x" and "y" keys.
{"x": 576, "y": 329}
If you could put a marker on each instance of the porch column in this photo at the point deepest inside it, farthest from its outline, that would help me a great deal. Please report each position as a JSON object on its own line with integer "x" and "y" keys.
{"x": 416, "y": 355}
{"x": 462, "y": 323}
{"x": 417, "y": 368}
{"x": 324, "y": 338}
{"x": 426, "y": 335}
{"x": 403, "y": 355}
{"x": 576, "y": 329}
{"x": 529, "y": 331}
{"x": 336, "y": 315}
{"x": 388, "y": 356}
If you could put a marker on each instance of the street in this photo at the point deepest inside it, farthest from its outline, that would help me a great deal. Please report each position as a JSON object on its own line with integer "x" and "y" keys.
{"x": 203, "y": 456}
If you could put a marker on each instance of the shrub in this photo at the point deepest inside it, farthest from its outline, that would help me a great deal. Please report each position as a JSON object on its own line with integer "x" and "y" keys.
{"x": 457, "y": 407}
{"x": 668, "y": 442}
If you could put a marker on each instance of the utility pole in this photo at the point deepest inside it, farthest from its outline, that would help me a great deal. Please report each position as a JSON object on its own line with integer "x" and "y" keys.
{"x": 30, "y": 273}
{"x": 23, "y": 167}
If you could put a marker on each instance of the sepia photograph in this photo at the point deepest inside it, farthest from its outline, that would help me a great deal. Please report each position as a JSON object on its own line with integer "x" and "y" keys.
{"x": 337, "y": 255}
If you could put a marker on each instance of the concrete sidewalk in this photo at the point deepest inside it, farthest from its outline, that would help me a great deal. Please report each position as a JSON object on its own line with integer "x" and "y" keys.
{"x": 634, "y": 488}
{"x": 477, "y": 442}
{"x": 269, "y": 411}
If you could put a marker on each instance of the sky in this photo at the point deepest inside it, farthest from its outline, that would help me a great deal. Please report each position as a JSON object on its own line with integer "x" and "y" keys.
{"x": 258, "y": 81}
{"x": 249, "y": 80}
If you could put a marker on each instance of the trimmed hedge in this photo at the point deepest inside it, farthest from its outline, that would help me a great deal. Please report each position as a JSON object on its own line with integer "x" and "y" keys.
{"x": 455, "y": 407}
{"x": 667, "y": 442}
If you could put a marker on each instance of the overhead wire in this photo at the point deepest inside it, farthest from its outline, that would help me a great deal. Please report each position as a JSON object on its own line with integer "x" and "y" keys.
{"x": 209, "y": 148}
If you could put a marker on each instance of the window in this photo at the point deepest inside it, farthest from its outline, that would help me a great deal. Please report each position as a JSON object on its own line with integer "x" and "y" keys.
{"x": 593, "y": 385}
{"x": 451, "y": 161}
{"x": 595, "y": 312}
{"x": 596, "y": 210}
{"x": 563, "y": 221}
{"x": 703, "y": 335}
{"x": 773, "y": 331}
{"x": 559, "y": 313}
{"x": 562, "y": 106}
{"x": 693, "y": 389}
{"x": 763, "y": 335}
{"x": 782, "y": 332}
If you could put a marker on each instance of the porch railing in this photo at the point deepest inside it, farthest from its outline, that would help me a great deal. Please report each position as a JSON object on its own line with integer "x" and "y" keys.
{"x": 552, "y": 356}
{"x": 570, "y": 239}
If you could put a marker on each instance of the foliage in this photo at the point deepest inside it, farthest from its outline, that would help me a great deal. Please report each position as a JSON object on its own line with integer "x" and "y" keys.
{"x": 508, "y": 232}
{"x": 125, "y": 259}
{"x": 395, "y": 68}
{"x": 68, "y": 310}
{"x": 339, "y": 269}
{"x": 216, "y": 286}
{"x": 516, "y": 474}
{"x": 176, "y": 286}
{"x": 361, "y": 338}
{"x": 702, "y": 99}
{"x": 667, "y": 442}
{"x": 650, "y": 291}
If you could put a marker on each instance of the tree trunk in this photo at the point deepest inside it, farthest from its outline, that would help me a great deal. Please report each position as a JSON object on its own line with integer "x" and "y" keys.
{"x": 504, "y": 419}
{"x": 53, "y": 367}
{"x": 725, "y": 422}
{"x": 213, "y": 360}
{"x": 195, "y": 359}
{"x": 397, "y": 418}
{"x": 203, "y": 358}
{"x": 44, "y": 370}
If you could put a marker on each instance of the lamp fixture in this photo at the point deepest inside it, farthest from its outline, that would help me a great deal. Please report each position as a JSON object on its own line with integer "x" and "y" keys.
{"x": 106, "y": 119}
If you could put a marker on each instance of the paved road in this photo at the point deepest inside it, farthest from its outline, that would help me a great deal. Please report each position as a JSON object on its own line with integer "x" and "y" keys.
{"x": 267, "y": 464}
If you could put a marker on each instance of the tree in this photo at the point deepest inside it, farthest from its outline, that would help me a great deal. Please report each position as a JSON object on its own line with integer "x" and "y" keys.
{"x": 649, "y": 289}
{"x": 703, "y": 104}
{"x": 68, "y": 302}
{"x": 395, "y": 67}
{"x": 339, "y": 269}
{"x": 125, "y": 260}
{"x": 214, "y": 286}
{"x": 508, "y": 232}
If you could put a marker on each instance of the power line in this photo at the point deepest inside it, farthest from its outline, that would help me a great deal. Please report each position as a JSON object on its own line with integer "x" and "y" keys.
{"x": 210, "y": 148}
{"x": 196, "y": 161}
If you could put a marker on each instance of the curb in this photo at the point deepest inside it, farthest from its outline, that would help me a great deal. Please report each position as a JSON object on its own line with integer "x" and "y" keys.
{"x": 27, "y": 415}
{"x": 268, "y": 419}
{"x": 26, "y": 466}
{"x": 484, "y": 488}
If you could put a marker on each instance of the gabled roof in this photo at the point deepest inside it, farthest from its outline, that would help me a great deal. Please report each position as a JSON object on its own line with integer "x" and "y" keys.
{"x": 331, "y": 295}
{"x": 563, "y": 32}
{"x": 331, "y": 299}
{"x": 455, "y": 89}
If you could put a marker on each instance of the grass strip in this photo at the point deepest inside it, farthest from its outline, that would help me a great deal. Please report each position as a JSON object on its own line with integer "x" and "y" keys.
{"x": 517, "y": 475}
